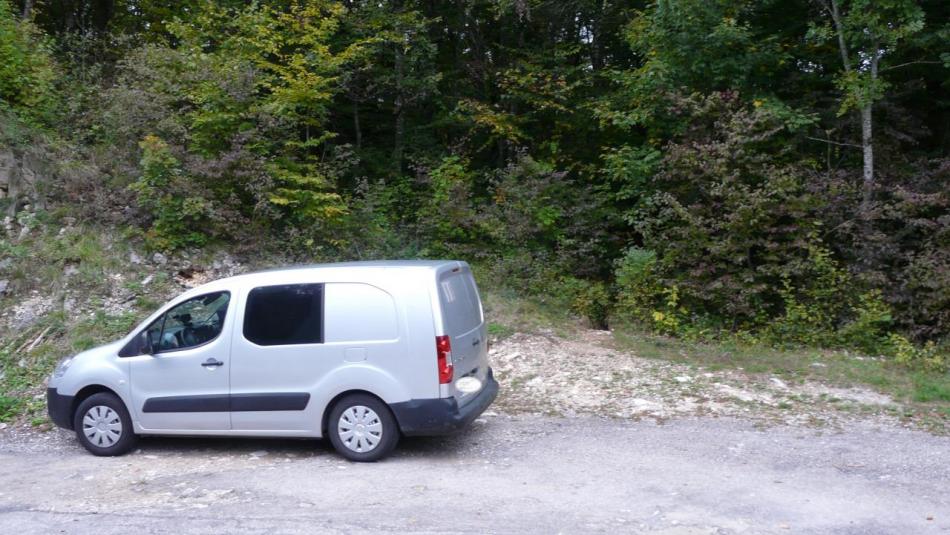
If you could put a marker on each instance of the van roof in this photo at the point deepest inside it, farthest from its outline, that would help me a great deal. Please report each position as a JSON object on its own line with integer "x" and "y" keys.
{"x": 368, "y": 265}
{"x": 365, "y": 264}
{"x": 367, "y": 269}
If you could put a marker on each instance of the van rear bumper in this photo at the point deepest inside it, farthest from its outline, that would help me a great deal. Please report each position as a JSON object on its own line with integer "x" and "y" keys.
{"x": 59, "y": 408}
{"x": 424, "y": 417}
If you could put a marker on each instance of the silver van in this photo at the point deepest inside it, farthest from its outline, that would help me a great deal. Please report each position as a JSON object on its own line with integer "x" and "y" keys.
{"x": 359, "y": 352}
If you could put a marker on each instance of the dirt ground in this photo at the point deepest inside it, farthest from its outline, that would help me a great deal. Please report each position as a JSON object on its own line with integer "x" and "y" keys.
{"x": 552, "y": 375}
{"x": 583, "y": 438}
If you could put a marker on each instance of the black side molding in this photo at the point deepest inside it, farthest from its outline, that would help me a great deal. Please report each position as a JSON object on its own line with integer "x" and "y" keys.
{"x": 283, "y": 401}
{"x": 277, "y": 401}
{"x": 209, "y": 403}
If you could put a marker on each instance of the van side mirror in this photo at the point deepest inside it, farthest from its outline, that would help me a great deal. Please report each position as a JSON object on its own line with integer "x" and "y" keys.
{"x": 145, "y": 346}
{"x": 140, "y": 345}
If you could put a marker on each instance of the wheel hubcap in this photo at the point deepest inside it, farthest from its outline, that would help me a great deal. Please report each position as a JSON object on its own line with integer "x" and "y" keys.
{"x": 102, "y": 426}
{"x": 360, "y": 429}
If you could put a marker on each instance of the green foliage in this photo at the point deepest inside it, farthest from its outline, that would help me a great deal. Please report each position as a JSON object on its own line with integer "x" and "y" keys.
{"x": 447, "y": 215}
{"x": 691, "y": 45}
{"x": 589, "y": 300}
{"x": 9, "y": 408}
{"x": 243, "y": 116}
{"x": 678, "y": 164}
{"x": 814, "y": 306}
{"x": 639, "y": 288}
{"x": 927, "y": 358}
{"x": 871, "y": 321}
{"x": 865, "y": 28}
{"x": 178, "y": 221}
{"x": 27, "y": 69}
{"x": 718, "y": 217}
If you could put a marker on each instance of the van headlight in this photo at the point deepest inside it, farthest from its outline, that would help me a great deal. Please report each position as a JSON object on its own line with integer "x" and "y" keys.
{"x": 62, "y": 367}
{"x": 467, "y": 385}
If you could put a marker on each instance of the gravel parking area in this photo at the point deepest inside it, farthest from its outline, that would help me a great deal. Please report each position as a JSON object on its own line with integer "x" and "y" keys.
{"x": 508, "y": 474}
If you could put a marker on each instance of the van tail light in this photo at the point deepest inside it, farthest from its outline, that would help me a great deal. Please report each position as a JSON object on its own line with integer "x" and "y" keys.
{"x": 443, "y": 349}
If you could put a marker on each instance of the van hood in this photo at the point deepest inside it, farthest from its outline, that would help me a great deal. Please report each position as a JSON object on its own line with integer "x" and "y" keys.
{"x": 105, "y": 350}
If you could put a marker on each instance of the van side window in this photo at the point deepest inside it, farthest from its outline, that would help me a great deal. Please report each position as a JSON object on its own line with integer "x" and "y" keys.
{"x": 192, "y": 323}
{"x": 284, "y": 315}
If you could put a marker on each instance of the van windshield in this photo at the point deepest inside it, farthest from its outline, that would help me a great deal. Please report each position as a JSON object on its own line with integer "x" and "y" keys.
{"x": 459, "y": 299}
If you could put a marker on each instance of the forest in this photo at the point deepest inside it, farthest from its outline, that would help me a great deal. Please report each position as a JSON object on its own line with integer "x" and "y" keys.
{"x": 773, "y": 171}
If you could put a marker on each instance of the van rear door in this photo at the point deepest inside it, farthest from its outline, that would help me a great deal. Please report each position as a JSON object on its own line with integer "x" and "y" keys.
{"x": 464, "y": 323}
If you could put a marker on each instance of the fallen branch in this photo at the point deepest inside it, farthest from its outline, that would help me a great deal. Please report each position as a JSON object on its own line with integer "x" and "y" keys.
{"x": 922, "y": 62}
{"x": 38, "y": 339}
{"x": 27, "y": 338}
{"x": 833, "y": 142}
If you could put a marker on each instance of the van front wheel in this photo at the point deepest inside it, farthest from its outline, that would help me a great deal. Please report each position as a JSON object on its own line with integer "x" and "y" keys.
{"x": 362, "y": 428}
{"x": 103, "y": 425}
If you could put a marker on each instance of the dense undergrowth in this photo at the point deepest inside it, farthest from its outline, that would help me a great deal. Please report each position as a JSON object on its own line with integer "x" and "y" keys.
{"x": 698, "y": 177}
{"x": 72, "y": 287}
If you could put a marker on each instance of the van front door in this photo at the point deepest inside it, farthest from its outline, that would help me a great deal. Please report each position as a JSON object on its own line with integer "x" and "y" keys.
{"x": 183, "y": 384}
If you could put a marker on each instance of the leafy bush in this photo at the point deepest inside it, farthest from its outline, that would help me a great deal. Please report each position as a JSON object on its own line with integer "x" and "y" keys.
{"x": 27, "y": 70}
{"x": 447, "y": 215}
{"x": 534, "y": 207}
{"x": 588, "y": 299}
{"x": 868, "y": 329}
{"x": 926, "y": 358}
{"x": 902, "y": 246}
{"x": 813, "y": 307}
{"x": 729, "y": 219}
{"x": 638, "y": 287}
{"x": 178, "y": 221}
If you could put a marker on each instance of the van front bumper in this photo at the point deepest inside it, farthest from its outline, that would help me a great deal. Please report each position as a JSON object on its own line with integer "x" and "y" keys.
{"x": 425, "y": 417}
{"x": 60, "y": 408}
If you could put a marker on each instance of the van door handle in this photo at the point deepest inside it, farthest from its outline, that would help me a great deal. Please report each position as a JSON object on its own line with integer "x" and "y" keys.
{"x": 475, "y": 342}
{"x": 212, "y": 362}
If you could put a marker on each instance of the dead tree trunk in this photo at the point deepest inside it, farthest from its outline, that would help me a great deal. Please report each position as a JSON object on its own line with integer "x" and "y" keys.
{"x": 399, "y": 110}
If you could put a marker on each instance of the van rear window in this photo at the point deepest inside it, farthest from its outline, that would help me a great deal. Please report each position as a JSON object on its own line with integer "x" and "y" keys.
{"x": 459, "y": 300}
{"x": 284, "y": 315}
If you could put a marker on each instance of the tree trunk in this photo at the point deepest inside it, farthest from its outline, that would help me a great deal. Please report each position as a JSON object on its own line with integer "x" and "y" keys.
{"x": 27, "y": 10}
{"x": 867, "y": 136}
{"x": 356, "y": 124}
{"x": 867, "y": 146}
{"x": 866, "y": 111}
{"x": 399, "y": 111}
{"x": 399, "y": 140}
{"x": 839, "y": 29}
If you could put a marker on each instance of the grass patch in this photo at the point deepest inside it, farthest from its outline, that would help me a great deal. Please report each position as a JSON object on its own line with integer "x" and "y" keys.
{"x": 500, "y": 331}
{"x": 9, "y": 408}
{"x": 81, "y": 264}
{"x": 924, "y": 392}
{"x": 509, "y": 314}
{"x": 930, "y": 388}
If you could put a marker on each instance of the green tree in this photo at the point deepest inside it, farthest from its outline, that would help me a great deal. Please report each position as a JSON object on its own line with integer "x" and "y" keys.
{"x": 866, "y": 32}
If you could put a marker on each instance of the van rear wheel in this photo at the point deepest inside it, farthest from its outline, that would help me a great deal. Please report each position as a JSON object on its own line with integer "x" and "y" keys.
{"x": 362, "y": 428}
{"x": 103, "y": 425}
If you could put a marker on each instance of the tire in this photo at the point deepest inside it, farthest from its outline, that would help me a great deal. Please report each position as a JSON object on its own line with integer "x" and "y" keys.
{"x": 376, "y": 438}
{"x": 107, "y": 431}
